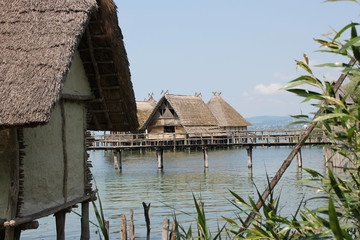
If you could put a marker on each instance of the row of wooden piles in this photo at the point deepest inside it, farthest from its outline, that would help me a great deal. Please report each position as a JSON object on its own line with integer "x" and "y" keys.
{"x": 167, "y": 232}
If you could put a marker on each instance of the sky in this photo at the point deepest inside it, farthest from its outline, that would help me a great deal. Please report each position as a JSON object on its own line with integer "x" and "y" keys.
{"x": 244, "y": 49}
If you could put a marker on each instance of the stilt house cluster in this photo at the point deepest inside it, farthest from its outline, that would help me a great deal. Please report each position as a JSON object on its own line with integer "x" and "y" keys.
{"x": 189, "y": 115}
{"x": 64, "y": 70}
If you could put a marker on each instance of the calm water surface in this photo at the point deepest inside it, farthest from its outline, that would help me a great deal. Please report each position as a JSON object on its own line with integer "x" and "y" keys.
{"x": 171, "y": 189}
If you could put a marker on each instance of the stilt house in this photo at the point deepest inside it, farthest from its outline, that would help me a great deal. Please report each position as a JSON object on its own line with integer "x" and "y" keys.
{"x": 179, "y": 114}
{"x": 227, "y": 117}
{"x": 63, "y": 70}
{"x": 144, "y": 109}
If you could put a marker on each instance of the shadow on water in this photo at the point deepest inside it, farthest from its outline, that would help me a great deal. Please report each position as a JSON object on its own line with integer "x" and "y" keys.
{"x": 170, "y": 190}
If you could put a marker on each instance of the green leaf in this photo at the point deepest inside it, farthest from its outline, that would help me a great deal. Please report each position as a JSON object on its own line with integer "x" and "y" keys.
{"x": 350, "y": 43}
{"x": 330, "y": 116}
{"x": 347, "y": 26}
{"x": 303, "y": 66}
{"x": 313, "y": 173}
{"x": 334, "y": 222}
{"x": 338, "y": 64}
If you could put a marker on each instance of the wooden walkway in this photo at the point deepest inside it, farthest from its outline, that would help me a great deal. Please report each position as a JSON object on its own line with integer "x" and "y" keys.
{"x": 159, "y": 142}
{"x": 281, "y": 137}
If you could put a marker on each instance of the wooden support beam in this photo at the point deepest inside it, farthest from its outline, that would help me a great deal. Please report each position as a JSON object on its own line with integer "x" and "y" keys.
{"x": 112, "y": 87}
{"x": 160, "y": 158}
{"x": 206, "y": 158}
{"x": 299, "y": 159}
{"x": 249, "y": 153}
{"x": 12, "y": 233}
{"x": 64, "y": 148}
{"x": 85, "y": 228}
{"x": 74, "y": 97}
{"x": 60, "y": 225}
{"x": 116, "y": 164}
{"x": 119, "y": 156}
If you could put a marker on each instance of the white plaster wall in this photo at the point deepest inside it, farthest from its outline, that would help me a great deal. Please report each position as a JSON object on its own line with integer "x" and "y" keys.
{"x": 5, "y": 157}
{"x": 75, "y": 129}
{"x": 43, "y": 166}
{"x": 76, "y": 82}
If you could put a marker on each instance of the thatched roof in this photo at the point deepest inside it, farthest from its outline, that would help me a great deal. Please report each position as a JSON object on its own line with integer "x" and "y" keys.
{"x": 38, "y": 40}
{"x": 144, "y": 109}
{"x": 191, "y": 110}
{"x": 226, "y": 115}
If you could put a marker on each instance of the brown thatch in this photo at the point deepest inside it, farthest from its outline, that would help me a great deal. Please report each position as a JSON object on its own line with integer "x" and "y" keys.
{"x": 226, "y": 115}
{"x": 38, "y": 40}
{"x": 191, "y": 110}
{"x": 144, "y": 109}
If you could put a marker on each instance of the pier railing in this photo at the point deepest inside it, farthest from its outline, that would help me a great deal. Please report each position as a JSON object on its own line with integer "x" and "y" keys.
{"x": 219, "y": 138}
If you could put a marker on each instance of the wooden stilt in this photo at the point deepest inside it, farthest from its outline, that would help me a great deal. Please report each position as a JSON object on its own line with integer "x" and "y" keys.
{"x": 119, "y": 155}
{"x": 123, "y": 230}
{"x": 147, "y": 219}
{"x": 160, "y": 158}
{"x": 132, "y": 227}
{"x": 165, "y": 230}
{"x": 206, "y": 158}
{"x": 173, "y": 233}
{"x": 85, "y": 228}
{"x": 60, "y": 225}
{"x": 116, "y": 165}
{"x": 249, "y": 153}
{"x": 299, "y": 159}
{"x": 10, "y": 230}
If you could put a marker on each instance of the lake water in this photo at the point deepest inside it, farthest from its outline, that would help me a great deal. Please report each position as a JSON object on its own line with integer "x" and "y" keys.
{"x": 170, "y": 190}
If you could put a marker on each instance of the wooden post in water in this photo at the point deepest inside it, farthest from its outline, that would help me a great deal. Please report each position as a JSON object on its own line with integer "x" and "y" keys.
{"x": 165, "y": 230}
{"x": 147, "y": 219}
{"x": 206, "y": 158}
{"x": 160, "y": 158}
{"x": 116, "y": 165}
{"x": 299, "y": 159}
{"x": 123, "y": 231}
{"x": 173, "y": 234}
{"x": 132, "y": 227}
{"x": 85, "y": 228}
{"x": 249, "y": 153}
{"x": 119, "y": 157}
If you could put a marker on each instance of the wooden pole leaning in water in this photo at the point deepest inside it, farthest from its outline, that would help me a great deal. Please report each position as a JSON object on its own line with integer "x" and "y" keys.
{"x": 147, "y": 219}
{"x": 293, "y": 153}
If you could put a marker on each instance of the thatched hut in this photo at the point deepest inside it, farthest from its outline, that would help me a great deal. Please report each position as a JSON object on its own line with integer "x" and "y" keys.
{"x": 180, "y": 114}
{"x": 63, "y": 70}
{"x": 227, "y": 117}
{"x": 144, "y": 109}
